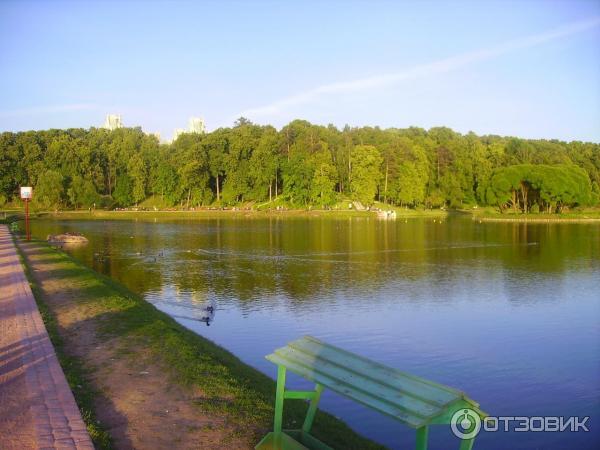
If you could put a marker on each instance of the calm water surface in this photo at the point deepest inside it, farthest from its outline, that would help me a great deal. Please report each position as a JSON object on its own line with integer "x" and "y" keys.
{"x": 509, "y": 313}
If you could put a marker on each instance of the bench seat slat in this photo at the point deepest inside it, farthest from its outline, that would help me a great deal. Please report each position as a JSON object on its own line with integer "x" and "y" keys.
{"x": 382, "y": 392}
{"x": 428, "y": 391}
{"x": 347, "y": 391}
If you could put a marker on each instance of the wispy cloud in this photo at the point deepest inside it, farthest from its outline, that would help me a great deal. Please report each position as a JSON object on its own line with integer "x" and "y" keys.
{"x": 436, "y": 67}
{"x": 48, "y": 109}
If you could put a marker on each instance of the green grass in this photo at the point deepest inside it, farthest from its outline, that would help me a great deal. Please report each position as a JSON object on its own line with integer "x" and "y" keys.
{"x": 154, "y": 201}
{"x": 261, "y": 212}
{"x": 200, "y": 215}
{"x": 342, "y": 211}
{"x": 8, "y": 217}
{"x": 230, "y": 388}
{"x": 73, "y": 367}
{"x": 574, "y": 215}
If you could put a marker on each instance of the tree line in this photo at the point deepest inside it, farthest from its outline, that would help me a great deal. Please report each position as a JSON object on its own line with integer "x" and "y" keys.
{"x": 302, "y": 164}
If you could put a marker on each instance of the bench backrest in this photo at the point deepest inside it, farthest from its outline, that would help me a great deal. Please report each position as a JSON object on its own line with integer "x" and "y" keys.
{"x": 407, "y": 398}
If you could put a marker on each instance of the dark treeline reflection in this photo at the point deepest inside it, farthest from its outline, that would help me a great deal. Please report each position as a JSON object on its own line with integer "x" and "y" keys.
{"x": 315, "y": 259}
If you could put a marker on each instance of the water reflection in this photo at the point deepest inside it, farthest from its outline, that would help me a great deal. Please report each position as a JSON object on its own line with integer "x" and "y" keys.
{"x": 184, "y": 305}
{"x": 303, "y": 258}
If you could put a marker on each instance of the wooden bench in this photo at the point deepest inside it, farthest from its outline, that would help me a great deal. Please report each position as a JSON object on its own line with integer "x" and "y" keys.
{"x": 411, "y": 400}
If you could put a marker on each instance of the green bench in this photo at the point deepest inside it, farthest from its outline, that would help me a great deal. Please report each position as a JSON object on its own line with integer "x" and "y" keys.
{"x": 411, "y": 400}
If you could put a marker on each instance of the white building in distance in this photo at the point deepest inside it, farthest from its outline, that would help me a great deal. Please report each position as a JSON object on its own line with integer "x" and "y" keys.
{"x": 177, "y": 133}
{"x": 113, "y": 121}
{"x": 196, "y": 125}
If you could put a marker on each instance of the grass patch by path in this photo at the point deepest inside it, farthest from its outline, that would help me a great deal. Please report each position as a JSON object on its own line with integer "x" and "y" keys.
{"x": 73, "y": 367}
{"x": 8, "y": 217}
{"x": 229, "y": 387}
{"x": 489, "y": 214}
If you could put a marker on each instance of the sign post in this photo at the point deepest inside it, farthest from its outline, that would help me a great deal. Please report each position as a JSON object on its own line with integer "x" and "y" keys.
{"x": 26, "y": 194}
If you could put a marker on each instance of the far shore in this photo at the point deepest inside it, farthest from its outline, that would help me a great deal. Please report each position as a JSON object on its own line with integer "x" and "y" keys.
{"x": 486, "y": 214}
{"x": 200, "y": 214}
{"x": 538, "y": 219}
{"x": 583, "y": 216}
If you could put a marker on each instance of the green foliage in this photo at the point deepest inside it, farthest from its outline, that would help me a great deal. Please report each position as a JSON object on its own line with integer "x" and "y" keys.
{"x": 123, "y": 193}
{"x": 296, "y": 180}
{"x": 408, "y": 188}
{"x": 539, "y": 187}
{"x": 191, "y": 159}
{"x": 406, "y": 172}
{"x": 82, "y": 193}
{"x": 263, "y": 165}
{"x": 136, "y": 170}
{"x": 302, "y": 164}
{"x": 322, "y": 188}
{"x": 49, "y": 190}
{"x": 365, "y": 162}
{"x": 165, "y": 182}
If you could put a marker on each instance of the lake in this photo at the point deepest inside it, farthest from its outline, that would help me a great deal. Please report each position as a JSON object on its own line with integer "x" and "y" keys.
{"x": 507, "y": 312}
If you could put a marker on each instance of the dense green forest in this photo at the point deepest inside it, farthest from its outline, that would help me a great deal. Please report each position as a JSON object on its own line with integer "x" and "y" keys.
{"x": 300, "y": 165}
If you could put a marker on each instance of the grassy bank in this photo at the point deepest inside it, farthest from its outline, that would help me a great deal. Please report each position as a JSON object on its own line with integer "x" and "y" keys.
{"x": 199, "y": 214}
{"x": 229, "y": 387}
{"x": 8, "y": 217}
{"x": 206, "y": 214}
{"x": 73, "y": 367}
{"x": 485, "y": 214}
{"x": 493, "y": 215}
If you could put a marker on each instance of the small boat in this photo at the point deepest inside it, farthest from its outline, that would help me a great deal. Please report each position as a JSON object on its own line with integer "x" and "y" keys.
{"x": 386, "y": 215}
{"x": 67, "y": 238}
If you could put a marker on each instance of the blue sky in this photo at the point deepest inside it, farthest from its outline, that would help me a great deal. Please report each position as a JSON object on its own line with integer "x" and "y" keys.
{"x": 525, "y": 68}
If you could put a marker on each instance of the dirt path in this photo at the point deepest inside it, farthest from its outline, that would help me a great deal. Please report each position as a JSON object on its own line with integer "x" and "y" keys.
{"x": 140, "y": 405}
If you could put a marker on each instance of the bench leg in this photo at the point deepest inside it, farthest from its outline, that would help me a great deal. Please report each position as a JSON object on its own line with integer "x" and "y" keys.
{"x": 312, "y": 409}
{"x": 279, "y": 399}
{"x": 466, "y": 444}
{"x": 422, "y": 435}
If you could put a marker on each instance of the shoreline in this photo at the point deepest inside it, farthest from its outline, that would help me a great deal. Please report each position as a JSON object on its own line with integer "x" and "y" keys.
{"x": 536, "y": 219}
{"x": 401, "y": 214}
{"x": 235, "y": 214}
{"x": 225, "y": 398}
